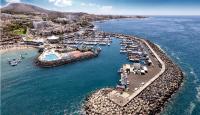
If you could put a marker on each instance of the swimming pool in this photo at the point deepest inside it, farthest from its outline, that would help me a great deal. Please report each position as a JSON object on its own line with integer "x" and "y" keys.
{"x": 50, "y": 57}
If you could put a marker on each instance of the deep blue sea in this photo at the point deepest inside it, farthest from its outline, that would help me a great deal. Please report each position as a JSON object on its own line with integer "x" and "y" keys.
{"x": 27, "y": 89}
{"x": 30, "y": 90}
{"x": 179, "y": 37}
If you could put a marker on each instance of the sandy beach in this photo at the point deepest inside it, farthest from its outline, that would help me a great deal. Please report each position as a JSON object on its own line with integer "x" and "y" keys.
{"x": 4, "y": 49}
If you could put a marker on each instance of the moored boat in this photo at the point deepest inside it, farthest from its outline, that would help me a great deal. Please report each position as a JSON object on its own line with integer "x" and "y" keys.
{"x": 123, "y": 51}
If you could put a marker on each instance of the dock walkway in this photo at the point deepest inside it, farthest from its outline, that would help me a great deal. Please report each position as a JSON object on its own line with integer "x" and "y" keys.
{"x": 124, "y": 100}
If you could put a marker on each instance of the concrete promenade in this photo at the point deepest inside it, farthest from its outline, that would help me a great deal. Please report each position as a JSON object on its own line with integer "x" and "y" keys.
{"x": 151, "y": 80}
{"x": 127, "y": 99}
{"x": 149, "y": 99}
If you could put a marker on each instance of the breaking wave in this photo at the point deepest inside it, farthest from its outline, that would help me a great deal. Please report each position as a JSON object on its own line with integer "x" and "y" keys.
{"x": 198, "y": 93}
{"x": 196, "y": 79}
{"x": 191, "y": 108}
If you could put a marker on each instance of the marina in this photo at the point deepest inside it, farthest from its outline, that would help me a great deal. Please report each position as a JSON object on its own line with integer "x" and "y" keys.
{"x": 137, "y": 73}
{"x": 143, "y": 65}
{"x": 72, "y": 47}
{"x": 130, "y": 96}
{"x": 95, "y": 38}
{"x": 126, "y": 77}
{"x": 70, "y": 77}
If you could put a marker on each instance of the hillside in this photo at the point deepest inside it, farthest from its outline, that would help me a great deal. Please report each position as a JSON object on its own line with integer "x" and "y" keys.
{"x": 21, "y": 8}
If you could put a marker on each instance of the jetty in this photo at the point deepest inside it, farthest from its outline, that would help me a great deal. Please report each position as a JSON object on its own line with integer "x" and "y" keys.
{"x": 151, "y": 93}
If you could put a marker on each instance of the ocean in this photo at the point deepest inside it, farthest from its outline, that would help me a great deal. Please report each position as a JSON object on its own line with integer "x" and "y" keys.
{"x": 28, "y": 89}
{"x": 179, "y": 37}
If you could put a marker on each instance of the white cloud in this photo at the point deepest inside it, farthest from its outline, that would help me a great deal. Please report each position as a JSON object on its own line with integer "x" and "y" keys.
{"x": 89, "y": 4}
{"x": 106, "y": 10}
{"x": 96, "y": 8}
{"x": 13, "y": 1}
{"x": 61, "y": 3}
{"x": 83, "y": 4}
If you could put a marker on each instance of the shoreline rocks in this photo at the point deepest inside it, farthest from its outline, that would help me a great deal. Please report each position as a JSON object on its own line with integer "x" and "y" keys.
{"x": 150, "y": 101}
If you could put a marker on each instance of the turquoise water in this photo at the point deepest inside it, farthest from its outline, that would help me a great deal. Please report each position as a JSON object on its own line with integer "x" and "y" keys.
{"x": 27, "y": 89}
{"x": 50, "y": 57}
{"x": 180, "y": 39}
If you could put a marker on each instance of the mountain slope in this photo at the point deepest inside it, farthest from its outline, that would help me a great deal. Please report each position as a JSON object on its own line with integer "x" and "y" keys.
{"x": 22, "y": 8}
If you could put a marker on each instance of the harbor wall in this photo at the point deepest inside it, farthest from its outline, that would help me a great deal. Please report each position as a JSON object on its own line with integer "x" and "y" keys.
{"x": 149, "y": 101}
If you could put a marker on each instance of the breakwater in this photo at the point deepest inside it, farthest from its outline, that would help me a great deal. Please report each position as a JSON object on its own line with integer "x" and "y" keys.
{"x": 150, "y": 100}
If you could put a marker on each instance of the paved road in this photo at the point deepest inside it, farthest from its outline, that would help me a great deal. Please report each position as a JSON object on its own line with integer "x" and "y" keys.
{"x": 125, "y": 101}
{"x": 151, "y": 80}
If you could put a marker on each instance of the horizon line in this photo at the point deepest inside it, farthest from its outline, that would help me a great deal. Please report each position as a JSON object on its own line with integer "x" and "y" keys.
{"x": 102, "y": 13}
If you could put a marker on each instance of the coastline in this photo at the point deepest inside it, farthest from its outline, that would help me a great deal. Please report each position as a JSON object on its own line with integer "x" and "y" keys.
{"x": 151, "y": 100}
{"x": 98, "y": 101}
{"x": 14, "y": 48}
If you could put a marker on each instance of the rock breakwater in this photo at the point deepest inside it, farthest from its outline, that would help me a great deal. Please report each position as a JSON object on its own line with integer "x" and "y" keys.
{"x": 148, "y": 102}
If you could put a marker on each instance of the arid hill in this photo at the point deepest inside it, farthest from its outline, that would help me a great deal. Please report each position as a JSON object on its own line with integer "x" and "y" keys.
{"x": 21, "y": 8}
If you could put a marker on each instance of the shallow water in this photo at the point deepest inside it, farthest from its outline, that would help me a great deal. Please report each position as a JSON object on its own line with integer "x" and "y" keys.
{"x": 27, "y": 89}
{"x": 179, "y": 37}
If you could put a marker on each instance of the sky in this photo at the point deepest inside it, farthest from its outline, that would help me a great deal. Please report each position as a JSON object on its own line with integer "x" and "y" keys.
{"x": 118, "y": 7}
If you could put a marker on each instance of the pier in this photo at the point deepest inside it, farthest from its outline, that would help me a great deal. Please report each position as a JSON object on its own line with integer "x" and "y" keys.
{"x": 149, "y": 98}
{"x": 137, "y": 81}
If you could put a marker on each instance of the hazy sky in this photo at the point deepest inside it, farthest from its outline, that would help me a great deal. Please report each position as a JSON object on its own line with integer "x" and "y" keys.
{"x": 126, "y": 7}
